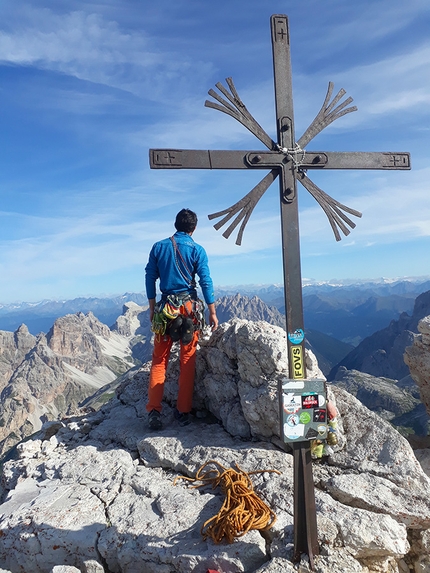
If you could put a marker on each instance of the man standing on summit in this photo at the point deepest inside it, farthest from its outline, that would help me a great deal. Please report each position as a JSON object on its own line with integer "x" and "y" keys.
{"x": 176, "y": 261}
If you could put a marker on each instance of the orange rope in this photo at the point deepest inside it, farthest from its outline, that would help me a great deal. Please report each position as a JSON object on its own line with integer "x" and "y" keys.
{"x": 242, "y": 509}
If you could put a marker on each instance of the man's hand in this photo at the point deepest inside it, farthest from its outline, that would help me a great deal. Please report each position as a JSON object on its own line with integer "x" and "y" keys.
{"x": 213, "y": 319}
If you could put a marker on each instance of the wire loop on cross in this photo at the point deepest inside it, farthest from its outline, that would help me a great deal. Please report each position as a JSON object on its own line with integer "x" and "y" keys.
{"x": 293, "y": 154}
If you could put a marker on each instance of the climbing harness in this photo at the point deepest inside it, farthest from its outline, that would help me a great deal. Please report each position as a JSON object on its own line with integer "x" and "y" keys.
{"x": 168, "y": 318}
{"x": 242, "y": 509}
{"x": 167, "y": 312}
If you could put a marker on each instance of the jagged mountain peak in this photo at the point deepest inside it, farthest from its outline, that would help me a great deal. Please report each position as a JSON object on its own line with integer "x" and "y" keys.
{"x": 248, "y": 308}
{"x": 45, "y": 377}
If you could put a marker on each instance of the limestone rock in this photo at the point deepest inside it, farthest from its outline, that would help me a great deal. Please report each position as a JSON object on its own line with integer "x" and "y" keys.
{"x": 423, "y": 456}
{"x": 372, "y": 492}
{"x": 373, "y": 446}
{"x": 13, "y": 348}
{"x": 98, "y": 492}
{"x": 238, "y": 382}
{"x": 132, "y": 320}
{"x": 134, "y": 324}
{"x": 397, "y": 402}
{"x": 417, "y": 357}
{"x": 381, "y": 395}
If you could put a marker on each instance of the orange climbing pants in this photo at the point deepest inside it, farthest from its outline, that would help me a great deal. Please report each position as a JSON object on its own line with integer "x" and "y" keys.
{"x": 160, "y": 360}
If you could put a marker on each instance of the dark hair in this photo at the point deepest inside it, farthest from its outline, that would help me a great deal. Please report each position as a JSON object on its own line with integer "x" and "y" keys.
{"x": 186, "y": 221}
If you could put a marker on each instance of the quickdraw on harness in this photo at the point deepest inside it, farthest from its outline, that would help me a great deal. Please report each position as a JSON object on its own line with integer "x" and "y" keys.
{"x": 159, "y": 322}
{"x": 166, "y": 310}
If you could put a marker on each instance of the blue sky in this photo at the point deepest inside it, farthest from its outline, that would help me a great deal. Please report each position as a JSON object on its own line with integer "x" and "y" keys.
{"x": 87, "y": 87}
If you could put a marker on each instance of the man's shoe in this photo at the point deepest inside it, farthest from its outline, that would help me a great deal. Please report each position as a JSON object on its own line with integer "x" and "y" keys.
{"x": 183, "y": 419}
{"x": 154, "y": 420}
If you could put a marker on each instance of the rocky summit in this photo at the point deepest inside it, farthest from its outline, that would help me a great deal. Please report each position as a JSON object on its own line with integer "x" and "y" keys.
{"x": 100, "y": 493}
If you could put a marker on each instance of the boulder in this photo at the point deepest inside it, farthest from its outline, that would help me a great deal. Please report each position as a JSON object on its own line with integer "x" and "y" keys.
{"x": 417, "y": 357}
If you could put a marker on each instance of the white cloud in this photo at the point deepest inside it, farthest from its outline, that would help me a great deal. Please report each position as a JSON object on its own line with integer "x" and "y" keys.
{"x": 392, "y": 212}
{"x": 64, "y": 41}
{"x": 361, "y": 24}
{"x": 89, "y": 47}
{"x": 393, "y": 84}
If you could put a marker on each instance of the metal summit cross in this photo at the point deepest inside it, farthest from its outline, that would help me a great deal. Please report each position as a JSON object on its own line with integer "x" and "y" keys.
{"x": 288, "y": 159}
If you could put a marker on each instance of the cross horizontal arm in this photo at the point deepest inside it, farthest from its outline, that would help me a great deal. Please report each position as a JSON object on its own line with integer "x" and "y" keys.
{"x": 209, "y": 159}
{"x": 363, "y": 160}
{"x": 328, "y": 159}
{"x": 200, "y": 159}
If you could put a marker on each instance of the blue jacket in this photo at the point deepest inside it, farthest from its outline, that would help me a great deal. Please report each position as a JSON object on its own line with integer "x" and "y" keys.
{"x": 163, "y": 265}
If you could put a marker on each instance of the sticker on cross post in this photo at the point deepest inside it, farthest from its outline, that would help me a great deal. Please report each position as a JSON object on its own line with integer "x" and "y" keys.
{"x": 292, "y": 403}
{"x": 309, "y": 401}
{"x": 297, "y": 336}
{"x": 294, "y": 432}
{"x": 320, "y": 415}
{"x": 293, "y": 384}
{"x": 296, "y": 356}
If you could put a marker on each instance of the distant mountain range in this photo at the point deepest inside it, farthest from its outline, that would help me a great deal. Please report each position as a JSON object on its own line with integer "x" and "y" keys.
{"x": 346, "y": 310}
{"x": 40, "y": 316}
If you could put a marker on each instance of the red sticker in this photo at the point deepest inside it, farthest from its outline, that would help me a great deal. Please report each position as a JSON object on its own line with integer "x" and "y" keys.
{"x": 310, "y": 401}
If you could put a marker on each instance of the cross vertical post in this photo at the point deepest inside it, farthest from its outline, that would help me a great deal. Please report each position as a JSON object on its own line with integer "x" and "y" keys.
{"x": 305, "y": 526}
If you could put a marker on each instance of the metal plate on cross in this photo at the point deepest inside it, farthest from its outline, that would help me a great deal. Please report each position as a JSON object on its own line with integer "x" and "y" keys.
{"x": 304, "y": 410}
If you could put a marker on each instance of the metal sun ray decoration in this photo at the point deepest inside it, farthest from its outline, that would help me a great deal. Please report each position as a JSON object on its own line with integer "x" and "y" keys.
{"x": 328, "y": 113}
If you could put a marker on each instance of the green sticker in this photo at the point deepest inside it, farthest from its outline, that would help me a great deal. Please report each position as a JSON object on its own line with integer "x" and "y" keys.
{"x": 305, "y": 417}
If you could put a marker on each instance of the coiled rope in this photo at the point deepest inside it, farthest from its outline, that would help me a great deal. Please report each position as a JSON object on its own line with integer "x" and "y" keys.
{"x": 242, "y": 509}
